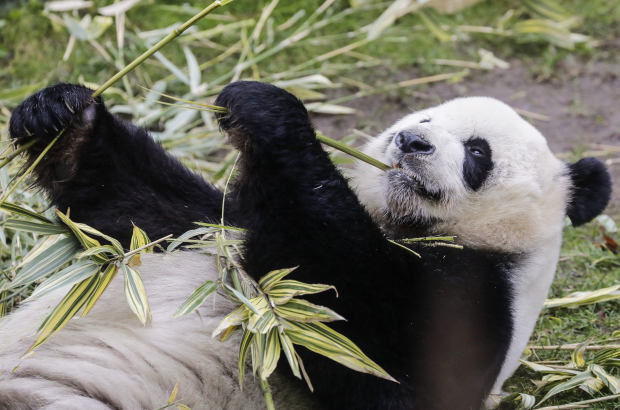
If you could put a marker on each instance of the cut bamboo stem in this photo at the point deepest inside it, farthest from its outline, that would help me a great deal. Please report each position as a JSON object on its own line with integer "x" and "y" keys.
{"x": 352, "y": 151}
{"x": 15, "y": 153}
{"x": 175, "y": 33}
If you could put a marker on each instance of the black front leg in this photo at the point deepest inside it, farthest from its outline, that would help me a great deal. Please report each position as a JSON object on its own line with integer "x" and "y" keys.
{"x": 301, "y": 212}
{"x": 110, "y": 172}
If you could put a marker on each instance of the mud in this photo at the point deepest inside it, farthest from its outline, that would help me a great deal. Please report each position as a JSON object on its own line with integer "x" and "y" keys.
{"x": 582, "y": 108}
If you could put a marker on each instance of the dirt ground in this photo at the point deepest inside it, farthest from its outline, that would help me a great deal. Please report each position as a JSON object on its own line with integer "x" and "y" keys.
{"x": 582, "y": 108}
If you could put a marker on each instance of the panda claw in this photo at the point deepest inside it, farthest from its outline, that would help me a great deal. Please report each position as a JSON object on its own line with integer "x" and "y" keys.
{"x": 69, "y": 107}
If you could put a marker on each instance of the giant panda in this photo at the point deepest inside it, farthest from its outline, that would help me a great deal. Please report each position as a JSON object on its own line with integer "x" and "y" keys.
{"x": 449, "y": 326}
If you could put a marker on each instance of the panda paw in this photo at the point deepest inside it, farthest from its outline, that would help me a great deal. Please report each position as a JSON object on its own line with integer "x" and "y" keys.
{"x": 45, "y": 114}
{"x": 263, "y": 114}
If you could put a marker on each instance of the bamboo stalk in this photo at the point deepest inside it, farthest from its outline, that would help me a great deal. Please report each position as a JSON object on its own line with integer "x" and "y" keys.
{"x": 175, "y": 33}
{"x": 264, "y": 386}
{"x": 18, "y": 151}
{"x": 352, "y": 151}
{"x": 29, "y": 170}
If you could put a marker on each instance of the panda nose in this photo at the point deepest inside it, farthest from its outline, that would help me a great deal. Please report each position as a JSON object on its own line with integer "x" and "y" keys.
{"x": 410, "y": 143}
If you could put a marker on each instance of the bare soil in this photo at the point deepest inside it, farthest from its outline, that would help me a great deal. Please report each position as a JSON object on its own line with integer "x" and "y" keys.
{"x": 583, "y": 108}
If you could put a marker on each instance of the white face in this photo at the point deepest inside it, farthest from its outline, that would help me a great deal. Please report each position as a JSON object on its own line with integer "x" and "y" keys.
{"x": 473, "y": 168}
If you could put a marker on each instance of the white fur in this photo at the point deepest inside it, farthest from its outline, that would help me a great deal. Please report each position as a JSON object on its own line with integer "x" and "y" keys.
{"x": 92, "y": 354}
{"x": 519, "y": 209}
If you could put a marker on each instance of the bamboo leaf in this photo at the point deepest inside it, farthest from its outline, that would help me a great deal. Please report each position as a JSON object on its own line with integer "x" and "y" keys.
{"x": 271, "y": 354}
{"x": 289, "y": 352}
{"x": 104, "y": 280}
{"x": 226, "y": 334}
{"x": 66, "y": 309}
{"x": 517, "y": 401}
{"x": 329, "y": 343}
{"x": 189, "y": 234}
{"x": 577, "y": 299}
{"x": 197, "y": 298}
{"x": 234, "y": 318}
{"x": 86, "y": 241}
{"x": 96, "y": 250}
{"x": 610, "y": 381}
{"x": 116, "y": 244}
{"x": 230, "y": 228}
{"x": 242, "y": 299}
{"x": 175, "y": 391}
{"x": 544, "y": 369}
{"x": 273, "y": 277}
{"x": 139, "y": 238}
{"x": 136, "y": 294}
{"x": 35, "y": 227}
{"x": 285, "y": 290}
{"x": 592, "y": 386}
{"x": 69, "y": 276}
{"x": 303, "y": 311}
{"x": 182, "y": 407}
{"x": 263, "y": 321}
{"x": 570, "y": 384}
{"x": 547, "y": 9}
{"x": 602, "y": 355}
{"x": 577, "y": 356}
{"x": 46, "y": 262}
{"x": 246, "y": 341}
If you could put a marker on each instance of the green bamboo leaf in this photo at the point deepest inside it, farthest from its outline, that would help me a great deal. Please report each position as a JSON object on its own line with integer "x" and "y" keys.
{"x": 271, "y": 354}
{"x": 547, "y": 9}
{"x": 96, "y": 250}
{"x": 544, "y": 369}
{"x": 273, "y": 277}
{"x": 136, "y": 294}
{"x": 42, "y": 245}
{"x": 189, "y": 234}
{"x": 285, "y": 290}
{"x": 329, "y": 343}
{"x": 241, "y": 298}
{"x": 289, "y": 352}
{"x": 246, "y": 341}
{"x": 265, "y": 320}
{"x": 116, "y": 244}
{"x": 35, "y": 227}
{"x": 66, "y": 309}
{"x": 104, "y": 280}
{"x": 570, "y": 384}
{"x": 16, "y": 209}
{"x": 429, "y": 17}
{"x": 547, "y": 30}
{"x": 175, "y": 391}
{"x": 139, "y": 238}
{"x": 609, "y": 380}
{"x": 303, "y": 311}
{"x": 605, "y": 354}
{"x": 182, "y": 407}
{"x": 226, "y": 334}
{"x": 67, "y": 277}
{"x": 234, "y": 318}
{"x": 517, "y": 401}
{"x": 592, "y": 386}
{"x": 46, "y": 262}
{"x": 86, "y": 241}
{"x": 577, "y": 356}
{"x": 197, "y": 298}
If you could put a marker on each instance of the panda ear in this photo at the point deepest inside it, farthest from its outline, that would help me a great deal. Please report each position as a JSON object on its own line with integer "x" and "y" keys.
{"x": 590, "y": 192}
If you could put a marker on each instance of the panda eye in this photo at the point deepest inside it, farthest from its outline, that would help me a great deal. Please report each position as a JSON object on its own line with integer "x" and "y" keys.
{"x": 477, "y": 151}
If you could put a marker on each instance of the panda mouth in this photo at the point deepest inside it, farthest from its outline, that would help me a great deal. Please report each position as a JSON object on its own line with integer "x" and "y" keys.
{"x": 414, "y": 182}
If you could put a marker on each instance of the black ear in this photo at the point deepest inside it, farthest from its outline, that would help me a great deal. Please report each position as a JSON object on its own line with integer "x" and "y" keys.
{"x": 591, "y": 190}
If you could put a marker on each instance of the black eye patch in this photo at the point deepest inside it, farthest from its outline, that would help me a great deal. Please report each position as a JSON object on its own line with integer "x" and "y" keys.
{"x": 478, "y": 162}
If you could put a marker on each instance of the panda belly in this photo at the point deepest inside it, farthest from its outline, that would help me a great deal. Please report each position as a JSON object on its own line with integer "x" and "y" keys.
{"x": 108, "y": 360}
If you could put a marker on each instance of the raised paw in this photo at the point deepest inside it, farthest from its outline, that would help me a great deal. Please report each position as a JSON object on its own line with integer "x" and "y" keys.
{"x": 263, "y": 113}
{"x": 46, "y": 113}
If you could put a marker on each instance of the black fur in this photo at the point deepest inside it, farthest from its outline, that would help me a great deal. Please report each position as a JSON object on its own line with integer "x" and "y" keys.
{"x": 478, "y": 162}
{"x": 591, "y": 190}
{"x": 441, "y": 325}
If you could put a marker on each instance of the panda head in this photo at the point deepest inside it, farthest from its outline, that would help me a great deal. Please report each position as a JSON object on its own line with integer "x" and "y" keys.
{"x": 473, "y": 168}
